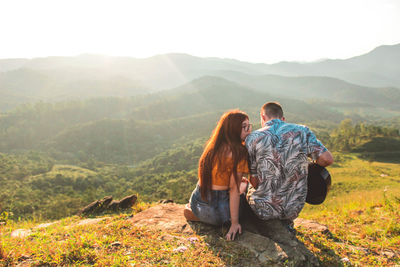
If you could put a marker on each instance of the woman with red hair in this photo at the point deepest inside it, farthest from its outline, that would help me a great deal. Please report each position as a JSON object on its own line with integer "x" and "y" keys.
{"x": 215, "y": 200}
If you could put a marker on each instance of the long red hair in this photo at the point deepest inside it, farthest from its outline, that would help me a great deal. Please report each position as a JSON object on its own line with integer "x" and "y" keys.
{"x": 225, "y": 139}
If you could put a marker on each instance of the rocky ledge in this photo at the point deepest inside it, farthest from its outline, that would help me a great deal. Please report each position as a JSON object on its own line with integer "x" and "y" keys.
{"x": 271, "y": 244}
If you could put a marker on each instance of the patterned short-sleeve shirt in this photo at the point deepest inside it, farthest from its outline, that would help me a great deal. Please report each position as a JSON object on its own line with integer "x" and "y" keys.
{"x": 278, "y": 155}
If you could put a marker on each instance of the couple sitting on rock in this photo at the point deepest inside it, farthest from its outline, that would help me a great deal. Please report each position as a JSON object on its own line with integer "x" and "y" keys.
{"x": 275, "y": 156}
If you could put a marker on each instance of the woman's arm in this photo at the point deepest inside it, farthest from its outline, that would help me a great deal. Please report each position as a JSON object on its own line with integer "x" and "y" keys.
{"x": 234, "y": 198}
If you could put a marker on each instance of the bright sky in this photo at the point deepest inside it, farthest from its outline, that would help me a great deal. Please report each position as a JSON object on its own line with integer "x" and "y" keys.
{"x": 257, "y": 31}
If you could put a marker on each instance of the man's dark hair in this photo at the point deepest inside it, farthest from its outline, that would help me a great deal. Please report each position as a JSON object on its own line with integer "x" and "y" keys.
{"x": 272, "y": 110}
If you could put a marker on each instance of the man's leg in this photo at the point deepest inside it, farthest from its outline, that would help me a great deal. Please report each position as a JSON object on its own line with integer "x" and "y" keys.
{"x": 289, "y": 224}
{"x": 274, "y": 229}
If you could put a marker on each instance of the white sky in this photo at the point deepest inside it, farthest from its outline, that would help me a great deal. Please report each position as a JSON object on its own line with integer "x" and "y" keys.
{"x": 257, "y": 31}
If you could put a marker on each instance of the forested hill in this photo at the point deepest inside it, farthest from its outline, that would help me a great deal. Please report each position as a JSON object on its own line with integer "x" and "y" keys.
{"x": 314, "y": 87}
{"x": 129, "y": 130}
{"x": 55, "y": 184}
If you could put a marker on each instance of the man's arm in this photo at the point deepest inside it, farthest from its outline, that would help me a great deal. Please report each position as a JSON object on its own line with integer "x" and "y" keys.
{"x": 254, "y": 181}
{"x": 250, "y": 145}
{"x": 317, "y": 151}
{"x": 325, "y": 159}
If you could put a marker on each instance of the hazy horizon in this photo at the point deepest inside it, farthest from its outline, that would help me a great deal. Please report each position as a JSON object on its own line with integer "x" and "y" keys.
{"x": 181, "y": 53}
{"x": 258, "y": 31}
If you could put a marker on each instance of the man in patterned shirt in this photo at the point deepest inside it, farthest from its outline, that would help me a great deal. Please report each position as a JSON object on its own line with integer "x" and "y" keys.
{"x": 278, "y": 162}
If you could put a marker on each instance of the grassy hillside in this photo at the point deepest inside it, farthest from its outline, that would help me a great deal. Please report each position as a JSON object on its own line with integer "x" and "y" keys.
{"x": 361, "y": 212}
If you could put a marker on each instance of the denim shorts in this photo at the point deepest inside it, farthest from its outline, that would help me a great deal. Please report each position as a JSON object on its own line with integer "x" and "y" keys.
{"x": 215, "y": 211}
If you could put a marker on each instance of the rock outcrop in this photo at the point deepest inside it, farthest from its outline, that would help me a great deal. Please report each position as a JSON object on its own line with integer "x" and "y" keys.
{"x": 108, "y": 204}
{"x": 165, "y": 201}
{"x": 270, "y": 242}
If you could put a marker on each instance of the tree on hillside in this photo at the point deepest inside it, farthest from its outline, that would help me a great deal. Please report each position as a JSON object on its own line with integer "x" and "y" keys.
{"x": 346, "y": 137}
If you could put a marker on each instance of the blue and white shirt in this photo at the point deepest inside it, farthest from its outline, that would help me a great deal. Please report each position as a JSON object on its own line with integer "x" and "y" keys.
{"x": 278, "y": 157}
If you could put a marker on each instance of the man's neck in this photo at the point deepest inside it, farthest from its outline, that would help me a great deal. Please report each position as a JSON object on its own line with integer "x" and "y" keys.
{"x": 271, "y": 119}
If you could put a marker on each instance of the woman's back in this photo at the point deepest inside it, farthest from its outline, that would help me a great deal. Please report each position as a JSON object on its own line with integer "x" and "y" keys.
{"x": 222, "y": 171}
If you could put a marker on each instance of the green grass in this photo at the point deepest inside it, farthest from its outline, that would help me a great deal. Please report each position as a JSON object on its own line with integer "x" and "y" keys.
{"x": 112, "y": 242}
{"x": 362, "y": 212}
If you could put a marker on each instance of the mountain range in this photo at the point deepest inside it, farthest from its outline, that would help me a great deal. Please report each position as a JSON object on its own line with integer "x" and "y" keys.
{"x": 372, "y": 78}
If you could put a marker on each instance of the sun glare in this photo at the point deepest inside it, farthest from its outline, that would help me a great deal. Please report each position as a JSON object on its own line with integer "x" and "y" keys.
{"x": 256, "y": 31}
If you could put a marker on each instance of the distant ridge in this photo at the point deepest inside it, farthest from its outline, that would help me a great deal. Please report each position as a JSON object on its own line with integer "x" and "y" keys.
{"x": 372, "y": 78}
{"x": 378, "y": 68}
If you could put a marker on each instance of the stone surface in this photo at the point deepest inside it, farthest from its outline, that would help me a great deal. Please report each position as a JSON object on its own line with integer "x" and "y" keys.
{"x": 27, "y": 232}
{"x": 311, "y": 225}
{"x": 298, "y": 254}
{"x": 127, "y": 202}
{"x": 165, "y": 201}
{"x": 264, "y": 249}
{"x": 21, "y": 233}
{"x": 44, "y": 225}
{"x": 91, "y": 208}
{"x": 168, "y": 217}
{"x": 269, "y": 241}
{"x": 389, "y": 254}
{"x": 89, "y": 221}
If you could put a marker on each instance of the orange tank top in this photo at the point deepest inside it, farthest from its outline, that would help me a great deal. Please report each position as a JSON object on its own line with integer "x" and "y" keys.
{"x": 221, "y": 174}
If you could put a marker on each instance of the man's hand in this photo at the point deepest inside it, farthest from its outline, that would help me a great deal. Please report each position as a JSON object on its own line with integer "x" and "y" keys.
{"x": 325, "y": 159}
{"x": 254, "y": 181}
{"x": 233, "y": 230}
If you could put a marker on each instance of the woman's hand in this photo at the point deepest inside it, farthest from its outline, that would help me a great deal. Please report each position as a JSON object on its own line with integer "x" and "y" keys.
{"x": 233, "y": 230}
{"x": 234, "y": 199}
{"x": 243, "y": 186}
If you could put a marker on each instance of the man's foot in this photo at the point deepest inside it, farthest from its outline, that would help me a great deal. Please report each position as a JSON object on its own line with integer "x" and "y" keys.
{"x": 289, "y": 224}
{"x": 188, "y": 213}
